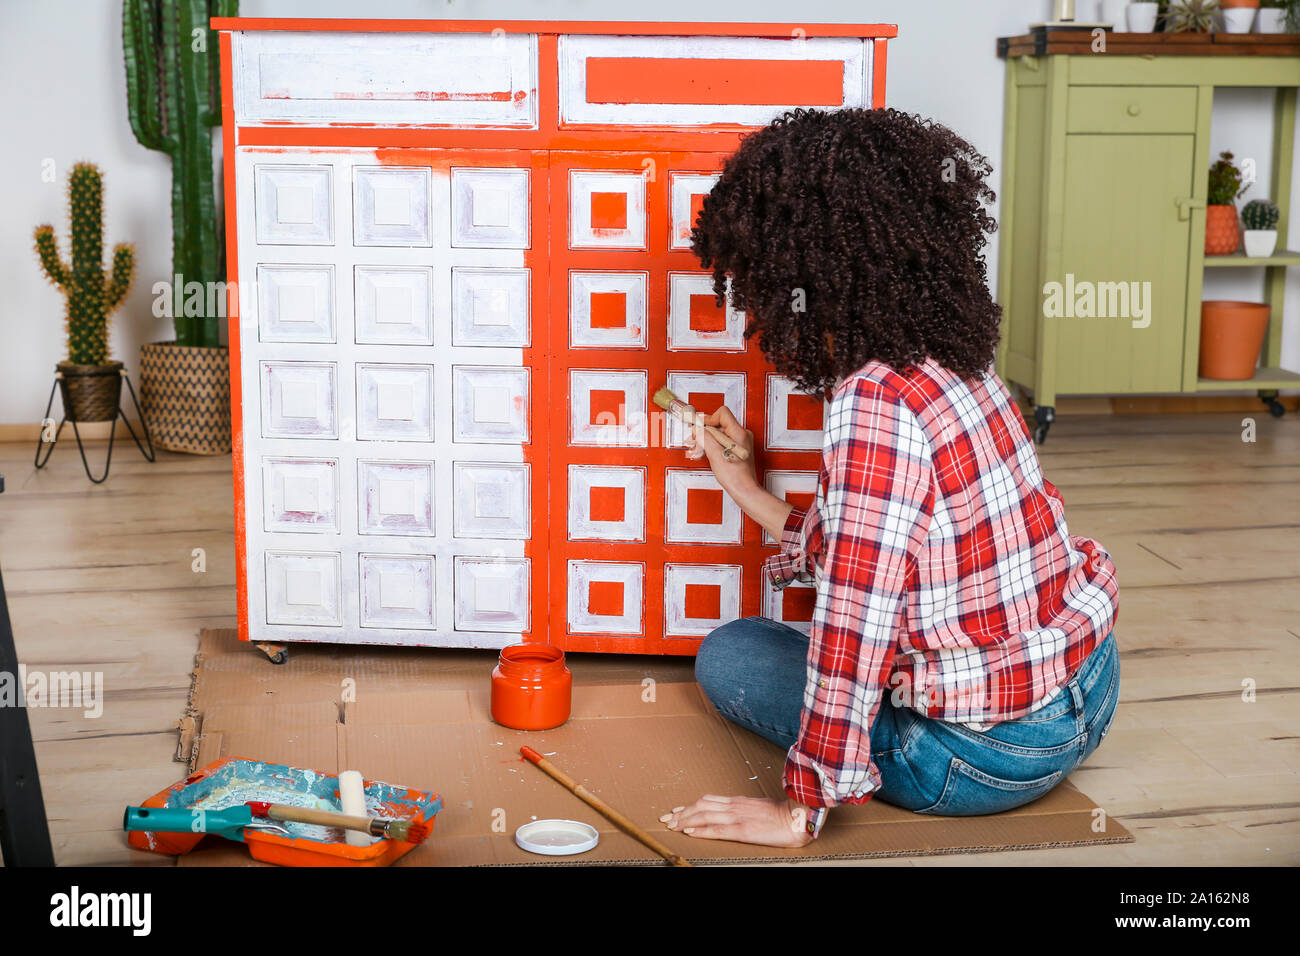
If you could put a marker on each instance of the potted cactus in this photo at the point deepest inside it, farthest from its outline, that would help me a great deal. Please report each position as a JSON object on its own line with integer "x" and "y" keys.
{"x": 91, "y": 384}
{"x": 1278, "y": 16}
{"x": 1222, "y": 237}
{"x": 174, "y": 101}
{"x": 1260, "y": 216}
{"x": 1238, "y": 15}
{"x": 1193, "y": 16}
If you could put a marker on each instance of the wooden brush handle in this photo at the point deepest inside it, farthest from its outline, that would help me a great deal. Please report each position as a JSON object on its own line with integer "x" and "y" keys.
{"x": 601, "y": 807}
{"x": 732, "y": 448}
{"x": 325, "y": 818}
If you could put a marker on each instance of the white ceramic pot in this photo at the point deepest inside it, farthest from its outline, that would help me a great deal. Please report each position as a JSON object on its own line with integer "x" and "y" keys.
{"x": 1271, "y": 20}
{"x": 1260, "y": 243}
{"x": 1142, "y": 17}
{"x": 1115, "y": 12}
{"x": 1238, "y": 19}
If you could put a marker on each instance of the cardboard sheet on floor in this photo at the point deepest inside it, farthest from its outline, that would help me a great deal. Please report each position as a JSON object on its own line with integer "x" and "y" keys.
{"x": 641, "y": 736}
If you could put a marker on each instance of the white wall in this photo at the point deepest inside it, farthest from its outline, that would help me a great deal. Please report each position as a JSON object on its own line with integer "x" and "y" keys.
{"x": 64, "y": 99}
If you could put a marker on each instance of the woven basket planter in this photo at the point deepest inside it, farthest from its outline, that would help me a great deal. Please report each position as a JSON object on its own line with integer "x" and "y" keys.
{"x": 185, "y": 394}
{"x": 90, "y": 392}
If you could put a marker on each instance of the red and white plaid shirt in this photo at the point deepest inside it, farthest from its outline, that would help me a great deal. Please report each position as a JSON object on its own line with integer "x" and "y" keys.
{"x": 946, "y": 576}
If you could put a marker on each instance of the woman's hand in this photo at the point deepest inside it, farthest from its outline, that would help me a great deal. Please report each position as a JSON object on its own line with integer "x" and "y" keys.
{"x": 743, "y": 820}
{"x": 736, "y": 477}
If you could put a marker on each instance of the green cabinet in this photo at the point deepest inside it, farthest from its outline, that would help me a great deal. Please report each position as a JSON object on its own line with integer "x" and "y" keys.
{"x": 1103, "y": 222}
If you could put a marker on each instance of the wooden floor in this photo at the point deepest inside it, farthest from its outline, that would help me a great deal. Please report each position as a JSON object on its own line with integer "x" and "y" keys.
{"x": 1205, "y": 530}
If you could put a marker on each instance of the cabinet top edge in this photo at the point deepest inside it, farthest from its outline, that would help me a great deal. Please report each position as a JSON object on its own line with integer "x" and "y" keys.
{"x": 615, "y": 27}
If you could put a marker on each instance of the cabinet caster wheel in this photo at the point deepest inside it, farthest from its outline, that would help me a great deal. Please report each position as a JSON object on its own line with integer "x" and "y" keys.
{"x": 1044, "y": 415}
{"x": 275, "y": 653}
{"x": 1275, "y": 408}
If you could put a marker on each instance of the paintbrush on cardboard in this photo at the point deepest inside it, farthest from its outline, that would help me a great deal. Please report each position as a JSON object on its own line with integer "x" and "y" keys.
{"x": 685, "y": 414}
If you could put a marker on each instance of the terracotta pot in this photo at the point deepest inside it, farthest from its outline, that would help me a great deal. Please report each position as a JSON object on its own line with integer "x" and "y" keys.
{"x": 185, "y": 397}
{"x": 532, "y": 687}
{"x": 1232, "y": 334}
{"x": 90, "y": 392}
{"x": 1235, "y": 4}
{"x": 1222, "y": 236}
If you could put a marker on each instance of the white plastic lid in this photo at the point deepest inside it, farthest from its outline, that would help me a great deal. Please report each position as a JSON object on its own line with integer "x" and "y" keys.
{"x": 557, "y": 837}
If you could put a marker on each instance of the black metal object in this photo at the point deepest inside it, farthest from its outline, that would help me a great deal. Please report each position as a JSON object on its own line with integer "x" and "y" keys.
{"x": 24, "y": 832}
{"x": 1044, "y": 415}
{"x": 112, "y": 433}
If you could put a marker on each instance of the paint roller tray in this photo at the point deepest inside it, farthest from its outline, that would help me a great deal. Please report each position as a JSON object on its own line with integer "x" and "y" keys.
{"x": 233, "y": 781}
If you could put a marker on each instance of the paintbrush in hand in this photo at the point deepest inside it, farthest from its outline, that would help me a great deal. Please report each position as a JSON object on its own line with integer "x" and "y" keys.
{"x": 685, "y": 414}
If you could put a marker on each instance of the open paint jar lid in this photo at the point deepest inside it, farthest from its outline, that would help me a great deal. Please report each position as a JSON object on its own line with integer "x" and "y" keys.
{"x": 557, "y": 837}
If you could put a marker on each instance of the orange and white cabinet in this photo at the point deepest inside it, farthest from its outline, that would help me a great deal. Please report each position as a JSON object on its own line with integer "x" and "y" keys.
{"x": 464, "y": 267}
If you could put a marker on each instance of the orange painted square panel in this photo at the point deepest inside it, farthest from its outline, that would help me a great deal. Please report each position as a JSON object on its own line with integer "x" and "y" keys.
{"x": 605, "y": 405}
{"x": 804, "y": 412}
{"x": 704, "y": 505}
{"x": 802, "y": 500}
{"x": 703, "y": 601}
{"x": 706, "y": 402}
{"x": 605, "y": 598}
{"x": 609, "y": 210}
{"x": 608, "y": 504}
{"x": 609, "y": 310}
{"x": 797, "y": 604}
{"x": 706, "y": 315}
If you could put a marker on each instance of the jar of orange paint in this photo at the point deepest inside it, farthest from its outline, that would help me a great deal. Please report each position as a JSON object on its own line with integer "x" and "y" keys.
{"x": 532, "y": 687}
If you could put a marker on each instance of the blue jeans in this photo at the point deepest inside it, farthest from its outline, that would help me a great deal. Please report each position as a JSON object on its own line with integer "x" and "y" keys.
{"x": 753, "y": 669}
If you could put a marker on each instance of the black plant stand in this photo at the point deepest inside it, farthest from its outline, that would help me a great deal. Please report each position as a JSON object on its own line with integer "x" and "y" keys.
{"x": 112, "y": 432}
{"x": 24, "y": 831}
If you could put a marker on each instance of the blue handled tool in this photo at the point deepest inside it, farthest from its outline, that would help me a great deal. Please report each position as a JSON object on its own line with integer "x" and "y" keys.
{"x": 228, "y": 823}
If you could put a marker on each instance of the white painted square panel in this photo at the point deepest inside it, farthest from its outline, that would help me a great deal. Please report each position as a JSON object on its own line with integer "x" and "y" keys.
{"x": 489, "y": 208}
{"x": 687, "y": 192}
{"x": 700, "y": 597}
{"x": 607, "y": 310}
{"x": 390, "y": 206}
{"x": 606, "y": 503}
{"x": 699, "y": 511}
{"x": 393, "y": 305}
{"x": 797, "y": 487}
{"x": 395, "y": 497}
{"x": 395, "y": 402}
{"x": 608, "y": 408}
{"x": 492, "y": 594}
{"x": 605, "y": 597}
{"x": 294, "y": 205}
{"x": 299, "y": 400}
{"x": 397, "y": 591}
{"x": 795, "y": 419}
{"x": 300, "y": 494}
{"x": 695, "y": 322}
{"x": 705, "y": 391}
{"x": 492, "y": 500}
{"x": 490, "y": 404}
{"x": 793, "y": 605}
{"x": 490, "y": 307}
{"x": 607, "y": 210}
{"x": 295, "y": 303}
{"x": 303, "y": 588}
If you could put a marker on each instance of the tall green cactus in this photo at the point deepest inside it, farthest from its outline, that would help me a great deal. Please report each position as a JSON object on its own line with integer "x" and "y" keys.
{"x": 173, "y": 87}
{"x": 89, "y": 293}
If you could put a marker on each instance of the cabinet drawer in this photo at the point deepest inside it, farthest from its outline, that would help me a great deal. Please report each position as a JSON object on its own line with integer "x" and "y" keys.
{"x": 1128, "y": 109}
{"x": 699, "y": 81}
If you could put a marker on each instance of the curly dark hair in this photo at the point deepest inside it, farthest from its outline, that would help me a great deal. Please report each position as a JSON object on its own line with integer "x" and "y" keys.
{"x": 876, "y": 219}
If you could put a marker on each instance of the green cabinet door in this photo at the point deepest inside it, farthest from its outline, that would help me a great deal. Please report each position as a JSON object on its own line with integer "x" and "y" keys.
{"x": 1121, "y": 293}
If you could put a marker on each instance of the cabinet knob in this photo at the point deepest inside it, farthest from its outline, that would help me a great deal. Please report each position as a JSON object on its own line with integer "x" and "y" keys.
{"x": 1134, "y": 109}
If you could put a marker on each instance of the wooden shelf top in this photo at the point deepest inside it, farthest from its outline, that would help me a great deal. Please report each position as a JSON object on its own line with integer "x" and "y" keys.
{"x": 1049, "y": 41}
{"x": 1264, "y": 378}
{"x": 1280, "y": 257}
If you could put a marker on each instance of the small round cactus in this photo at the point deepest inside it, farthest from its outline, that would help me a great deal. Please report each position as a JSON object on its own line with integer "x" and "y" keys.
{"x": 1260, "y": 214}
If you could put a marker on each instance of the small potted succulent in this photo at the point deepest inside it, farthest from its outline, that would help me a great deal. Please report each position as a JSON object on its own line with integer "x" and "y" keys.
{"x": 1238, "y": 15}
{"x": 1142, "y": 16}
{"x": 1193, "y": 16}
{"x": 1260, "y": 216}
{"x": 1278, "y": 16}
{"x": 1222, "y": 237}
{"x": 91, "y": 384}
